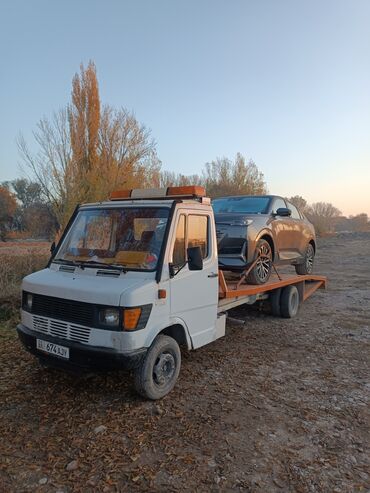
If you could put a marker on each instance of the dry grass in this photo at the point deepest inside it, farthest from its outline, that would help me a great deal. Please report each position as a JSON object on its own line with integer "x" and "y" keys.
{"x": 17, "y": 260}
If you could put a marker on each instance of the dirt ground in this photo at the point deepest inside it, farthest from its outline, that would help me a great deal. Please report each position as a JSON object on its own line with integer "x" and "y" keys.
{"x": 276, "y": 405}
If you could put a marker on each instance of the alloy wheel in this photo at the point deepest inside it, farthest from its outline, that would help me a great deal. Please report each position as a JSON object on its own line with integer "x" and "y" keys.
{"x": 263, "y": 265}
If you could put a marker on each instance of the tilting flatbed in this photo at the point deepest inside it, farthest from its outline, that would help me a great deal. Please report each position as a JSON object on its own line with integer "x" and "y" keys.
{"x": 233, "y": 292}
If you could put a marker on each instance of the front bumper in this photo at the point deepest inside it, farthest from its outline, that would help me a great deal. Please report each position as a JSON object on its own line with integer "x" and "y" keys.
{"x": 81, "y": 356}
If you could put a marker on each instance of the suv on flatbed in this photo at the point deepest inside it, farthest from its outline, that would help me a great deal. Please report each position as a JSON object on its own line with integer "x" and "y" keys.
{"x": 264, "y": 226}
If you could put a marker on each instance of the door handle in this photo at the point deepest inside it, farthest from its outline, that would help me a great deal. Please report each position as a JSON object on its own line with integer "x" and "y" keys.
{"x": 213, "y": 274}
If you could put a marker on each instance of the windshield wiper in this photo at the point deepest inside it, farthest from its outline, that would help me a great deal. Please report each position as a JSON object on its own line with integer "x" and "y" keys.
{"x": 91, "y": 264}
{"x": 68, "y": 262}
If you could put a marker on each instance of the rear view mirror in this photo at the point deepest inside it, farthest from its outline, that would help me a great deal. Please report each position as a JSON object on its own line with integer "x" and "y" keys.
{"x": 283, "y": 212}
{"x": 195, "y": 259}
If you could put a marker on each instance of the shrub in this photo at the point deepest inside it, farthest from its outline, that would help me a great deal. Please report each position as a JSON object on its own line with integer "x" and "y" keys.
{"x": 13, "y": 267}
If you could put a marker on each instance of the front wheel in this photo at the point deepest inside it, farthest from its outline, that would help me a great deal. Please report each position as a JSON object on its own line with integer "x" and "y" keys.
{"x": 262, "y": 270}
{"x": 307, "y": 266}
{"x": 157, "y": 374}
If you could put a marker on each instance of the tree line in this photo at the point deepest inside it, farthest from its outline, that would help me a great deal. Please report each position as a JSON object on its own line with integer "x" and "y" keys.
{"x": 88, "y": 149}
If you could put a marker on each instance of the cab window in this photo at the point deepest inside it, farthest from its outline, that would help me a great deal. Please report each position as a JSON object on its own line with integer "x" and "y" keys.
{"x": 191, "y": 231}
{"x": 198, "y": 233}
{"x": 179, "y": 256}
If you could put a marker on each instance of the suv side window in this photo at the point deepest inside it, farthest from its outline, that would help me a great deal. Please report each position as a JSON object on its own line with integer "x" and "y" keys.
{"x": 278, "y": 204}
{"x": 295, "y": 213}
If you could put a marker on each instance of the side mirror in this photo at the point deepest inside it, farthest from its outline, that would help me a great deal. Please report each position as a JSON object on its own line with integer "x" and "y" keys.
{"x": 52, "y": 248}
{"x": 195, "y": 259}
{"x": 283, "y": 212}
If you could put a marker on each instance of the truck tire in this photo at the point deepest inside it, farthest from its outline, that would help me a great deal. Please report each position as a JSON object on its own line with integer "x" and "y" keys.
{"x": 307, "y": 266}
{"x": 275, "y": 297}
{"x": 262, "y": 270}
{"x": 289, "y": 302}
{"x": 157, "y": 374}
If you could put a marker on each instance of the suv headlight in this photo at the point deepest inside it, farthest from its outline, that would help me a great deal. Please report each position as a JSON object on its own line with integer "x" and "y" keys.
{"x": 109, "y": 317}
{"x": 242, "y": 222}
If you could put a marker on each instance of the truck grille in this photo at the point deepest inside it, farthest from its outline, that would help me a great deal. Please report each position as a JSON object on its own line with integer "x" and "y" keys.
{"x": 75, "y": 312}
{"x": 58, "y": 328}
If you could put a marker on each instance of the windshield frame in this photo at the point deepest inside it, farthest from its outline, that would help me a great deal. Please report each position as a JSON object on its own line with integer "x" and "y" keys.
{"x": 78, "y": 209}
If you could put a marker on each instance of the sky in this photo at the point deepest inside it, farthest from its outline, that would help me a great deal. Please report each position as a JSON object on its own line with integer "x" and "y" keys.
{"x": 286, "y": 83}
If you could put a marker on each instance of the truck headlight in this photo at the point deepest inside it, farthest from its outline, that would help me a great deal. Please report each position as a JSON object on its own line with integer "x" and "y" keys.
{"x": 109, "y": 316}
{"x": 29, "y": 300}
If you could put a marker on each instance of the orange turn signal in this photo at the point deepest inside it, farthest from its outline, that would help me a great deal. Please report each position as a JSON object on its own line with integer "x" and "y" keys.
{"x": 162, "y": 294}
{"x": 131, "y": 318}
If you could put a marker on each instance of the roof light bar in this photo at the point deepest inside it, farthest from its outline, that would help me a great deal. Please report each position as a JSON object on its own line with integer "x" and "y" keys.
{"x": 191, "y": 191}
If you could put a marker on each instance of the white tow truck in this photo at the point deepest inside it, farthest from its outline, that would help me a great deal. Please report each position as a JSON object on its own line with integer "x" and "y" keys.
{"x": 134, "y": 278}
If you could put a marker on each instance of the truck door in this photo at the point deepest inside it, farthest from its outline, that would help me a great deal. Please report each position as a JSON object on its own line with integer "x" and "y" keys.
{"x": 194, "y": 294}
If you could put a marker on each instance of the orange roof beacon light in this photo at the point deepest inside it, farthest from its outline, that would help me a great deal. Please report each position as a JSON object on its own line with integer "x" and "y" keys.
{"x": 120, "y": 194}
{"x": 191, "y": 191}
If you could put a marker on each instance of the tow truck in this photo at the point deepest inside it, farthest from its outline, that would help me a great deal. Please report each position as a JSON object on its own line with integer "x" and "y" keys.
{"x": 135, "y": 278}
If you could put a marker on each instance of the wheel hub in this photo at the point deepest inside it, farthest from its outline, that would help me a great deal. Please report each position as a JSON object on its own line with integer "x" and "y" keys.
{"x": 164, "y": 369}
{"x": 264, "y": 262}
{"x": 309, "y": 259}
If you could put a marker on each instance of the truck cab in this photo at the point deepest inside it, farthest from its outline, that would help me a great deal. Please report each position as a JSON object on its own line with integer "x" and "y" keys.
{"x": 131, "y": 280}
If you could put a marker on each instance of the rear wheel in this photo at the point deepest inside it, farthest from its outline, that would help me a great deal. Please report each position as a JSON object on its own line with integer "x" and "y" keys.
{"x": 275, "y": 297}
{"x": 157, "y": 374}
{"x": 262, "y": 270}
{"x": 307, "y": 266}
{"x": 289, "y": 302}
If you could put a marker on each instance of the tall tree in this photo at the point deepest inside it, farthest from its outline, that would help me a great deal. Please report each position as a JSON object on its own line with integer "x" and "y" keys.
{"x": 8, "y": 205}
{"x": 87, "y": 149}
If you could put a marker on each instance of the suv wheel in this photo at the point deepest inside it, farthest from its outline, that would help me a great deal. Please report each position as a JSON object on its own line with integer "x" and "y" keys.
{"x": 262, "y": 270}
{"x": 307, "y": 266}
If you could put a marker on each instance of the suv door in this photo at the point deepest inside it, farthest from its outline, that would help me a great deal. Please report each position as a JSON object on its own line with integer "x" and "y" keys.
{"x": 194, "y": 294}
{"x": 300, "y": 234}
{"x": 282, "y": 228}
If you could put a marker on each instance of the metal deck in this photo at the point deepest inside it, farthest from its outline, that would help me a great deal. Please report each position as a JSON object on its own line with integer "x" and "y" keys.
{"x": 233, "y": 292}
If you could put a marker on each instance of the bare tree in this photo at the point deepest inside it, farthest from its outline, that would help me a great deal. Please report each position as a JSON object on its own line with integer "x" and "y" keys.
{"x": 299, "y": 202}
{"x": 238, "y": 177}
{"x": 171, "y": 179}
{"x": 323, "y": 216}
{"x": 86, "y": 150}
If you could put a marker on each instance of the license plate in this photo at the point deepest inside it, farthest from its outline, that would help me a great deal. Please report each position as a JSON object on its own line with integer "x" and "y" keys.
{"x": 51, "y": 348}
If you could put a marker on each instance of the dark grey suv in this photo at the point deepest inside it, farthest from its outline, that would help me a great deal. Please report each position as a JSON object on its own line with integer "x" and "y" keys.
{"x": 263, "y": 226}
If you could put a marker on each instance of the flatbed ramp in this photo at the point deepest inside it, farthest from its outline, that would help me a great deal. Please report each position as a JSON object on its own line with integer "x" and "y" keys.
{"x": 233, "y": 291}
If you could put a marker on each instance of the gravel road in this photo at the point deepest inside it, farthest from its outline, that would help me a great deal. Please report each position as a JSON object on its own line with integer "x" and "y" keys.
{"x": 276, "y": 405}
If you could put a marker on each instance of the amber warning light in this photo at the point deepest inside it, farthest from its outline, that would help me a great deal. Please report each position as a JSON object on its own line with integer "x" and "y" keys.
{"x": 155, "y": 193}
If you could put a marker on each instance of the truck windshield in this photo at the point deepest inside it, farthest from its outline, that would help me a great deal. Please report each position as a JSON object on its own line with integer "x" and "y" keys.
{"x": 130, "y": 237}
{"x": 246, "y": 205}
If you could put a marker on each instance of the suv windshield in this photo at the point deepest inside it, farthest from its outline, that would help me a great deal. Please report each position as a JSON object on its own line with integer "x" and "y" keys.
{"x": 130, "y": 237}
{"x": 246, "y": 205}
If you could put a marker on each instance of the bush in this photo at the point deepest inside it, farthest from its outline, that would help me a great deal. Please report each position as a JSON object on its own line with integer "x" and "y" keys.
{"x": 13, "y": 268}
